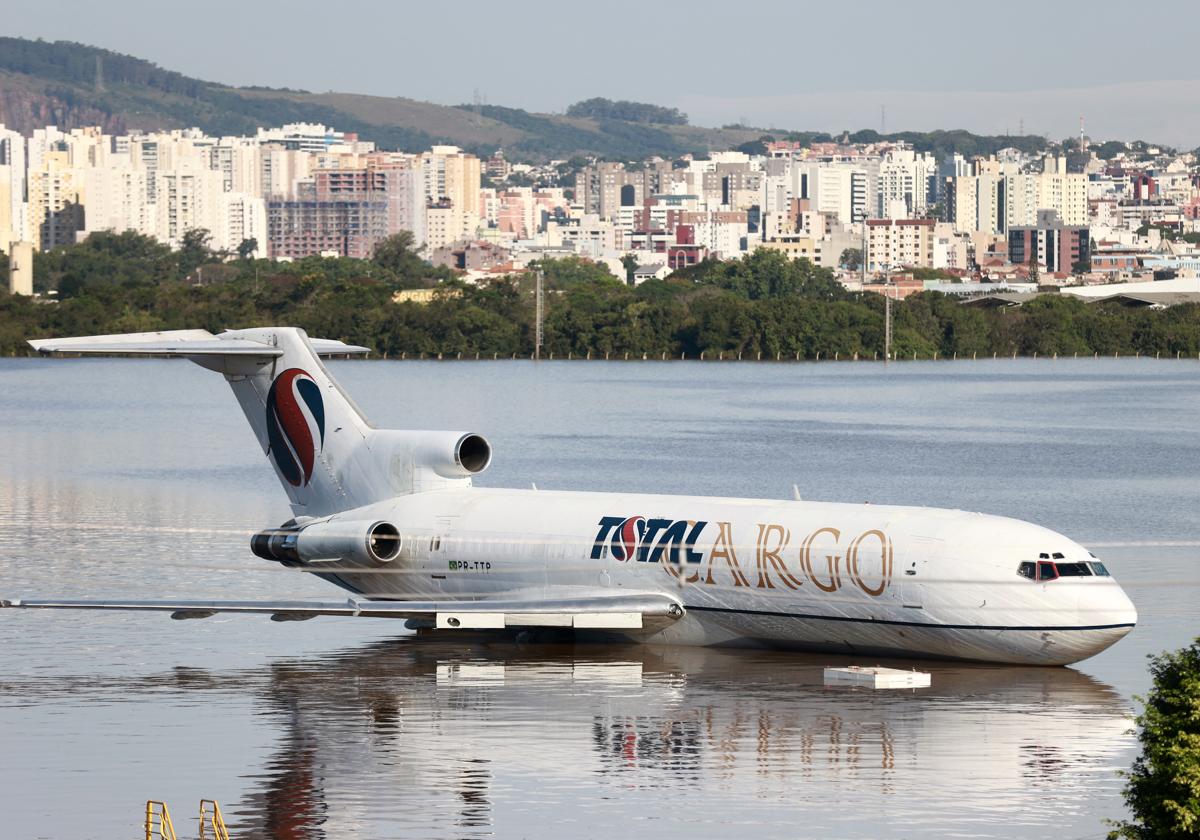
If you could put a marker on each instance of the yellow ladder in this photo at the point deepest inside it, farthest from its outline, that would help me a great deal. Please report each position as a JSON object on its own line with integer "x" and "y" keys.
{"x": 158, "y": 821}
{"x": 212, "y": 825}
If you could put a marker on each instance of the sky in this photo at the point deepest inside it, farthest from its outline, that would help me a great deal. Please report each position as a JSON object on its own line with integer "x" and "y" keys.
{"x": 915, "y": 65}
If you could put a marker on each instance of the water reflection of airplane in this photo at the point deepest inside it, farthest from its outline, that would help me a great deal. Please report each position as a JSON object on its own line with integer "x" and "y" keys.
{"x": 465, "y": 728}
{"x": 393, "y": 517}
{"x": 427, "y": 736}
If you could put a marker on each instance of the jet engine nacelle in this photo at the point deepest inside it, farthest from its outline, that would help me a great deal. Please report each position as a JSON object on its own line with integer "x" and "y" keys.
{"x": 451, "y": 454}
{"x": 362, "y": 541}
{"x": 427, "y": 460}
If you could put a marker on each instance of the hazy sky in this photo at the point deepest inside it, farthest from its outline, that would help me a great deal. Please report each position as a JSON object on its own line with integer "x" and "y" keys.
{"x": 933, "y": 63}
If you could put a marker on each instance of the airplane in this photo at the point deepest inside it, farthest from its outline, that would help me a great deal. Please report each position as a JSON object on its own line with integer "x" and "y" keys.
{"x": 394, "y": 517}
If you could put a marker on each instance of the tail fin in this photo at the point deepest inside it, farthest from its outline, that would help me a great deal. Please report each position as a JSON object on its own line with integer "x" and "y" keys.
{"x": 327, "y": 456}
{"x": 307, "y": 425}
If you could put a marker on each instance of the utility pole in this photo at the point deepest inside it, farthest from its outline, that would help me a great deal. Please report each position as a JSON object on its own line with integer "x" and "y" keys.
{"x": 537, "y": 317}
{"x": 887, "y": 322}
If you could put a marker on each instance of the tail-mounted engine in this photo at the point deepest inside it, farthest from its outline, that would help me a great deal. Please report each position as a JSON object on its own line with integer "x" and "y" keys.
{"x": 417, "y": 461}
{"x": 363, "y": 542}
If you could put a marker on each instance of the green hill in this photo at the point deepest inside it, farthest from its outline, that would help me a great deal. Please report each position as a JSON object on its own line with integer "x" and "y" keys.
{"x": 72, "y": 85}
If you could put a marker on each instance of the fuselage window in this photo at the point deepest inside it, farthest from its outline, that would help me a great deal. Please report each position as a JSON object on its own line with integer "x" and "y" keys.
{"x": 1099, "y": 569}
{"x": 1027, "y": 570}
{"x": 1073, "y": 570}
{"x": 1046, "y": 571}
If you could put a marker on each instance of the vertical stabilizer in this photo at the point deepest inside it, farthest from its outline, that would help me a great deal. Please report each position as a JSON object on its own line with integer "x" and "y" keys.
{"x": 308, "y": 427}
{"x": 328, "y": 458}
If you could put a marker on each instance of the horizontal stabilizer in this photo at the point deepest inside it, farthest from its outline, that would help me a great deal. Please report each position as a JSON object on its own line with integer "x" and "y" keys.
{"x": 624, "y": 611}
{"x": 182, "y": 343}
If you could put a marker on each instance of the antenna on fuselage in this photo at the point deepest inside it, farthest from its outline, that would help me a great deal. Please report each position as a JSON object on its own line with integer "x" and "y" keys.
{"x": 796, "y": 492}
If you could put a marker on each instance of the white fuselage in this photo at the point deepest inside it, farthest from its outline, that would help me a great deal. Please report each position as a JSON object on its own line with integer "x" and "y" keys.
{"x": 392, "y": 515}
{"x": 860, "y": 579}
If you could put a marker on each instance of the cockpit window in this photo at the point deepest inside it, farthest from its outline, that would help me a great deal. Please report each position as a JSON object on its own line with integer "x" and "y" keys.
{"x": 1073, "y": 570}
{"x": 1047, "y": 569}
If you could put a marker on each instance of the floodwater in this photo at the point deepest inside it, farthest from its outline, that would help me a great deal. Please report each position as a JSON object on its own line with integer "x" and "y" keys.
{"x": 142, "y": 478}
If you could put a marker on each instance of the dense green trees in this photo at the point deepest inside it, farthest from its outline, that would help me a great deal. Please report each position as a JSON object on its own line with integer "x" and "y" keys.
{"x": 635, "y": 112}
{"x": 398, "y": 254}
{"x": 851, "y": 259}
{"x": 1163, "y": 788}
{"x": 763, "y": 303}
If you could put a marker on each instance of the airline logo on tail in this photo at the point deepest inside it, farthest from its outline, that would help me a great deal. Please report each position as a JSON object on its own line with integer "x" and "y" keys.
{"x": 295, "y": 425}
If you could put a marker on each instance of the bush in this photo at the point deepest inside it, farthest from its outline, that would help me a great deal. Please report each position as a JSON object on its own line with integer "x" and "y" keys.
{"x": 1163, "y": 788}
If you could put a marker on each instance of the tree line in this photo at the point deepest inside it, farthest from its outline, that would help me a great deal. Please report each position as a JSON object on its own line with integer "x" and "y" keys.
{"x": 761, "y": 304}
{"x": 635, "y": 112}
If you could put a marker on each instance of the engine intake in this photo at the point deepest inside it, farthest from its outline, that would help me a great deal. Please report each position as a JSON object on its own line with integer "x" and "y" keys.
{"x": 415, "y": 457}
{"x": 361, "y": 541}
{"x": 473, "y": 453}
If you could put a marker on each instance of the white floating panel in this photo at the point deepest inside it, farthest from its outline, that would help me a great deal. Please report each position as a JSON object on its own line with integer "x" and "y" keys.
{"x": 498, "y": 621}
{"x": 877, "y": 677}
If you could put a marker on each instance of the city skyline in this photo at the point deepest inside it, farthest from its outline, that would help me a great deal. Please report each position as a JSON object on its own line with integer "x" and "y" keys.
{"x": 913, "y": 68}
{"x": 303, "y": 189}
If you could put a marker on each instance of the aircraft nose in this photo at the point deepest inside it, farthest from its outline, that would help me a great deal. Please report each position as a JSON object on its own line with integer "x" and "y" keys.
{"x": 1126, "y": 609}
{"x": 1111, "y": 606}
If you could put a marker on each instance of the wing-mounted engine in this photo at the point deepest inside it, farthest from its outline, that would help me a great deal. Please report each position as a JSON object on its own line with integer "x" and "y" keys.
{"x": 362, "y": 542}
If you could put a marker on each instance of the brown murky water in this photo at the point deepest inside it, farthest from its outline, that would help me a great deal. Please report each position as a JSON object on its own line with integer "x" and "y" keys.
{"x": 140, "y": 477}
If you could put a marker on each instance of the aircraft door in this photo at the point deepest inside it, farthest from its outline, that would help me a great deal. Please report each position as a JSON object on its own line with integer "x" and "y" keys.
{"x": 913, "y": 562}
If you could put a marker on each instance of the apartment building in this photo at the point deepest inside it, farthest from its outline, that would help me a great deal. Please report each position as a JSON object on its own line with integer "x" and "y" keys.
{"x": 1054, "y": 247}
{"x": 899, "y": 243}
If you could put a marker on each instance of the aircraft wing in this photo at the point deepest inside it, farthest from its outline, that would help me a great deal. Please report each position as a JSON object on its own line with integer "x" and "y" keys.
{"x": 622, "y": 611}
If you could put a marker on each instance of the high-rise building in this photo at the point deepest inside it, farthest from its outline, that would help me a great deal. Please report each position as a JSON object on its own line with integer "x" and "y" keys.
{"x": 397, "y": 181}
{"x": 906, "y": 181}
{"x": 453, "y": 176}
{"x": 598, "y": 189}
{"x": 189, "y": 197}
{"x": 12, "y": 158}
{"x": 282, "y": 171}
{"x": 1054, "y": 247}
{"x": 115, "y": 199}
{"x": 55, "y": 211}
{"x": 307, "y": 226}
{"x": 899, "y": 243}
